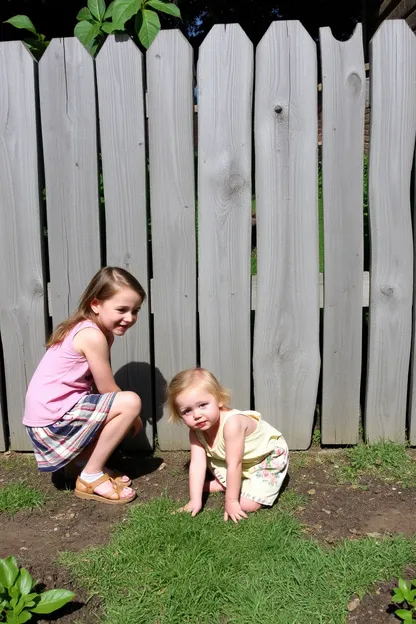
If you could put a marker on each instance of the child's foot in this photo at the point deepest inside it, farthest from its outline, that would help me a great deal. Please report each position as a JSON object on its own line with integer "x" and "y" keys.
{"x": 74, "y": 469}
{"x": 213, "y": 486}
{"x": 117, "y": 476}
{"x": 107, "y": 489}
{"x": 104, "y": 490}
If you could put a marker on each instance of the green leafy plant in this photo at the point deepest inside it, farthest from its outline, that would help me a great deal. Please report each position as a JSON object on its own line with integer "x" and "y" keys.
{"x": 17, "y": 600}
{"x": 406, "y": 597}
{"x": 136, "y": 17}
{"x": 37, "y": 43}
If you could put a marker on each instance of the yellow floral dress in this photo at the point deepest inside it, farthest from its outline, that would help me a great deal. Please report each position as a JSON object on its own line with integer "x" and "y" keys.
{"x": 265, "y": 459}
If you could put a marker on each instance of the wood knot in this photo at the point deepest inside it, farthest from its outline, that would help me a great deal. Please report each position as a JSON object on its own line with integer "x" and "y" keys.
{"x": 278, "y": 109}
{"x": 354, "y": 82}
{"x": 388, "y": 291}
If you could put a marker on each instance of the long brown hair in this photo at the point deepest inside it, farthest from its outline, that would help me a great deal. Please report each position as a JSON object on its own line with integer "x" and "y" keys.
{"x": 104, "y": 285}
{"x": 195, "y": 377}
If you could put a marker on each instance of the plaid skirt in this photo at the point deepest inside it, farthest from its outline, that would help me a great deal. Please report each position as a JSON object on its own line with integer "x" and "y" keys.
{"x": 58, "y": 444}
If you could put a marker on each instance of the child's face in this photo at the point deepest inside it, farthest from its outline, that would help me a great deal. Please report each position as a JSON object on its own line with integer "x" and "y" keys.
{"x": 198, "y": 408}
{"x": 117, "y": 314}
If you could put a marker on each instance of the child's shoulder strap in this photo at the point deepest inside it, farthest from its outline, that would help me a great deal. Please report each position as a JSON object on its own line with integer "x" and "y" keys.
{"x": 251, "y": 413}
{"x": 82, "y": 325}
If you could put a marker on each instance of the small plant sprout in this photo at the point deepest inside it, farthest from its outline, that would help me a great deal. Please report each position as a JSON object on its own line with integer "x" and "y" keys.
{"x": 36, "y": 43}
{"x": 405, "y": 595}
{"x": 18, "y": 601}
{"x": 136, "y": 17}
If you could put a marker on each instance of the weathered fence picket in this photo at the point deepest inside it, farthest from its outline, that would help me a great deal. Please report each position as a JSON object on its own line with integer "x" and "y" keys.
{"x": 225, "y": 88}
{"x": 22, "y": 303}
{"x": 286, "y": 334}
{"x": 172, "y": 201}
{"x": 393, "y": 127}
{"x": 343, "y": 95}
{"x": 123, "y": 152}
{"x": 69, "y": 133}
{"x": 194, "y": 250}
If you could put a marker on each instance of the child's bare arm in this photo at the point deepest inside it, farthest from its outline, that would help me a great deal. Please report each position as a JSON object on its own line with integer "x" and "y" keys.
{"x": 94, "y": 346}
{"x": 234, "y": 436}
{"x": 197, "y": 472}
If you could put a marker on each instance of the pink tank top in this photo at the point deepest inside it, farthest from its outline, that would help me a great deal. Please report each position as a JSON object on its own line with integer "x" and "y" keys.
{"x": 62, "y": 378}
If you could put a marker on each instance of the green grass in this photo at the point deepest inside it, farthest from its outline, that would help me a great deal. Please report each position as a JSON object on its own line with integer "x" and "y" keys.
{"x": 384, "y": 460}
{"x": 174, "y": 569}
{"x": 18, "y": 496}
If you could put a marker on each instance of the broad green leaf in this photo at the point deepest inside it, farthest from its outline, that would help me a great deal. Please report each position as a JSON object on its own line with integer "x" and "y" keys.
{"x": 164, "y": 7}
{"x": 405, "y": 588}
{"x": 31, "y": 596}
{"x": 24, "y": 582}
{"x": 404, "y": 585}
{"x": 85, "y": 14}
{"x": 109, "y": 11}
{"x": 52, "y": 600}
{"x": 148, "y": 27}
{"x": 404, "y": 615}
{"x": 12, "y": 618}
{"x": 20, "y": 606}
{"x": 397, "y": 596}
{"x": 97, "y": 8}
{"x": 86, "y": 32}
{"x": 22, "y": 21}
{"x": 24, "y": 617}
{"x": 123, "y": 10}
{"x": 110, "y": 27}
{"x": 8, "y": 571}
{"x": 93, "y": 48}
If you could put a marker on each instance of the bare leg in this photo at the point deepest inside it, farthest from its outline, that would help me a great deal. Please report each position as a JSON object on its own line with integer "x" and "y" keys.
{"x": 82, "y": 458}
{"x": 213, "y": 486}
{"x": 248, "y": 505}
{"x": 124, "y": 411}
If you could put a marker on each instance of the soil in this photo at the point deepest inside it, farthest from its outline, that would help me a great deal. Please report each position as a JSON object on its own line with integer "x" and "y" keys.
{"x": 331, "y": 512}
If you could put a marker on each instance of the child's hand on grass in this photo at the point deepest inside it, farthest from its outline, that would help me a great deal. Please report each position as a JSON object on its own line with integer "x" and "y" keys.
{"x": 233, "y": 510}
{"x": 193, "y": 507}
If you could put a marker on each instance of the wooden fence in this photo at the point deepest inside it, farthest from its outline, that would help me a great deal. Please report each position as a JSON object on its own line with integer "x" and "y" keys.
{"x": 70, "y": 117}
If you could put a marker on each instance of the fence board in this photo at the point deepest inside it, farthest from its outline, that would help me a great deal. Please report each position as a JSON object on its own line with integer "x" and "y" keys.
{"x": 3, "y": 422}
{"x": 286, "y": 336}
{"x": 68, "y": 115}
{"x": 412, "y": 381}
{"x": 225, "y": 83}
{"x": 393, "y": 126}
{"x": 121, "y": 112}
{"x": 172, "y": 193}
{"x": 22, "y": 301}
{"x": 343, "y": 103}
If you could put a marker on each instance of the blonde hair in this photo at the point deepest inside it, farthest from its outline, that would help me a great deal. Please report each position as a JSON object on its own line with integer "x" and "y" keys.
{"x": 195, "y": 377}
{"x": 104, "y": 285}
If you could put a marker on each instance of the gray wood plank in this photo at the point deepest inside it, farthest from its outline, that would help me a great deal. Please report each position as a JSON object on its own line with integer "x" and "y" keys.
{"x": 122, "y": 131}
{"x": 286, "y": 357}
{"x": 412, "y": 380}
{"x": 364, "y": 284}
{"x": 172, "y": 195}
{"x": 22, "y": 293}
{"x": 225, "y": 83}
{"x": 343, "y": 103}
{"x": 3, "y": 441}
{"x": 68, "y": 115}
{"x": 393, "y": 127}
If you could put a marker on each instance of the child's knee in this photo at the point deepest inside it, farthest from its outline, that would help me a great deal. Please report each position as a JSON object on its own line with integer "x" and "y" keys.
{"x": 131, "y": 402}
{"x": 248, "y": 505}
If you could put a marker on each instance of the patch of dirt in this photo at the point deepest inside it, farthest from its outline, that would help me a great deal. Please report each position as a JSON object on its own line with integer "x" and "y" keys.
{"x": 332, "y": 512}
{"x": 336, "y": 511}
{"x": 375, "y": 608}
